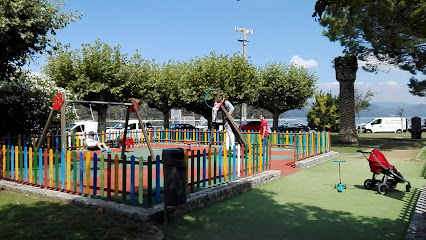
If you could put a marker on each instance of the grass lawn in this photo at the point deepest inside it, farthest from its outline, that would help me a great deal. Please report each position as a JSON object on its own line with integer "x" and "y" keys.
{"x": 32, "y": 217}
{"x": 305, "y": 205}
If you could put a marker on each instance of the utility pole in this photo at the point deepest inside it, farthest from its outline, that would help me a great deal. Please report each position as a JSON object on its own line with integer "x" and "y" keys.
{"x": 244, "y": 41}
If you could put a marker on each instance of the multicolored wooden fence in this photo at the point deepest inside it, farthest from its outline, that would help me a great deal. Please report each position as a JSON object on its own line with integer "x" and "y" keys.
{"x": 133, "y": 179}
{"x": 316, "y": 142}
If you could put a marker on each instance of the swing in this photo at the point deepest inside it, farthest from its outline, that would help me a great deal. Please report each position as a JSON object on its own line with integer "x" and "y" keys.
{"x": 59, "y": 104}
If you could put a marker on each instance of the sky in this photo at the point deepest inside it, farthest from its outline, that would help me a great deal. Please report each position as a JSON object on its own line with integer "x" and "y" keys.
{"x": 283, "y": 31}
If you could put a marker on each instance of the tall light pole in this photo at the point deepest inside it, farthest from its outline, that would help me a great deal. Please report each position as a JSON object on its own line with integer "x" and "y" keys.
{"x": 244, "y": 41}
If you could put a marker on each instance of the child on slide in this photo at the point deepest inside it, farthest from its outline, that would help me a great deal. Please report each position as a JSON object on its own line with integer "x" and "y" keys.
{"x": 216, "y": 108}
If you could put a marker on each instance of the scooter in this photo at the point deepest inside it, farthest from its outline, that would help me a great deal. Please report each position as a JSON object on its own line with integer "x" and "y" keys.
{"x": 340, "y": 186}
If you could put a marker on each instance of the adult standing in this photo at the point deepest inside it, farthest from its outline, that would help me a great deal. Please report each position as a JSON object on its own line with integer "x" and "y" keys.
{"x": 264, "y": 129}
{"x": 229, "y": 106}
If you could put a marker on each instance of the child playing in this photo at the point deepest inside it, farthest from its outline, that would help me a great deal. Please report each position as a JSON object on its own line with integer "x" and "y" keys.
{"x": 94, "y": 145}
{"x": 216, "y": 108}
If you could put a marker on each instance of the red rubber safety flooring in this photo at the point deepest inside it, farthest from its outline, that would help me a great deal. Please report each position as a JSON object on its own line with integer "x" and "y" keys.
{"x": 285, "y": 165}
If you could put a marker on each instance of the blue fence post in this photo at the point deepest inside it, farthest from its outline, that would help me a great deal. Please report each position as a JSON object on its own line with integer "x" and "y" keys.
{"x": 40, "y": 166}
{"x": 62, "y": 169}
{"x": 26, "y": 163}
{"x": 95, "y": 173}
{"x": 81, "y": 171}
{"x": 12, "y": 162}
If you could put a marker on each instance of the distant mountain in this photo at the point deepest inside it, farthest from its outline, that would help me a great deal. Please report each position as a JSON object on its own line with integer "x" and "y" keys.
{"x": 389, "y": 109}
{"x": 377, "y": 109}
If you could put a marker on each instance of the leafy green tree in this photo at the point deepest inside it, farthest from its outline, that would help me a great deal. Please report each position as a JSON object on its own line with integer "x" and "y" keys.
{"x": 26, "y": 101}
{"x": 382, "y": 31}
{"x": 362, "y": 102}
{"x": 390, "y": 31}
{"x": 26, "y": 27}
{"x": 324, "y": 114}
{"x": 417, "y": 87}
{"x": 282, "y": 88}
{"x": 234, "y": 75}
{"x": 163, "y": 90}
{"x": 98, "y": 73}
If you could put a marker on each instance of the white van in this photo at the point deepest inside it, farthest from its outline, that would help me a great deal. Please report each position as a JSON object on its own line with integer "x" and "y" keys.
{"x": 118, "y": 129}
{"x": 83, "y": 127}
{"x": 386, "y": 124}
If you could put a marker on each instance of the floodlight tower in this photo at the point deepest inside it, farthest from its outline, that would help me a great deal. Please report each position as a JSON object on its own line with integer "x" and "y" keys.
{"x": 244, "y": 40}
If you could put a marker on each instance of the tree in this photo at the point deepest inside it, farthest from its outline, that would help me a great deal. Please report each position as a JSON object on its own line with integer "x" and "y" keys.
{"x": 282, "y": 88}
{"x": 362, "y": 102}
{"x": 417, "y": 87}
{"x": 234, "y": 75}
{"x": 98, "y": 73}
{"x": 382, "y": 31}
{"x": 163, "y": 90}
{"x": 25, "y": 103}
{"x": 389, "y": 31}
{"x": 324, "y": 114}
{"x": 26, "y": 27}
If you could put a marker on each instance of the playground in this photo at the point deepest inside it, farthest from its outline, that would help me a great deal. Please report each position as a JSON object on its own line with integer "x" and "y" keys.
{"x": 305, "y": 204}
{"x": 301, "y": 205}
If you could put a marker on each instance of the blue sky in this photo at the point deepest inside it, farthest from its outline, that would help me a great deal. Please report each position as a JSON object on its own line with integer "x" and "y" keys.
{"x": 284, "y": 31}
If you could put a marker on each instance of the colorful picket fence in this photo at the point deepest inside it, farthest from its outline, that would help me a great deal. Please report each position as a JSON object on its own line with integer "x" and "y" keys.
{"x": 315, "y": 143}
{"x": 136, "y": 180}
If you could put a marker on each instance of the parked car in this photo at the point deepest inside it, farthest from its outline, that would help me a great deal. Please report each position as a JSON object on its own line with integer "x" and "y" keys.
{"x": 182, "y": 126}
{"x": 251, "y": 126}
{"x": 203, "y": 126}
{"x": 294, "y": 127}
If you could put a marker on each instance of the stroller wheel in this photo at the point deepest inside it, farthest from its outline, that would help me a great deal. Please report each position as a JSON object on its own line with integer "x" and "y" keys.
{"x": 367, "y": 184}
{"x": 382, "y": 188}
{"x": 408, "y": 187}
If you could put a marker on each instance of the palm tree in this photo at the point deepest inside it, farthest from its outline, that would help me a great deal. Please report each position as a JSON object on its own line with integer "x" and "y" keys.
{"x": 346, "y": 67}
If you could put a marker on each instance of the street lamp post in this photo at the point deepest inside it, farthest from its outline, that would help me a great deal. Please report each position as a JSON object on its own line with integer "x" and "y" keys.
{"x": 244, "y": 41}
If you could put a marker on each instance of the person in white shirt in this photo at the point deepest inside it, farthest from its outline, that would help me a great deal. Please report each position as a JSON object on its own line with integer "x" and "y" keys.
{"x": 94, "y": 145}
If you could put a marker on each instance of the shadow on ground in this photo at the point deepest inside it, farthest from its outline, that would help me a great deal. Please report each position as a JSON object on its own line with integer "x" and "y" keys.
{"x": 54, "y": 220}
{"x": 258, "y": 215}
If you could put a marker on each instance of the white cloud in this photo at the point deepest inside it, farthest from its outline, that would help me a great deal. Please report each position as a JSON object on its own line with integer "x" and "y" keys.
{"x": 296, "y": 60}
{"x": 391, "y": 84}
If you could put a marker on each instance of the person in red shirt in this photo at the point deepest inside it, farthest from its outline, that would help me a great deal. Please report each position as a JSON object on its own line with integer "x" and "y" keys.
{"x": 264, "y": 129}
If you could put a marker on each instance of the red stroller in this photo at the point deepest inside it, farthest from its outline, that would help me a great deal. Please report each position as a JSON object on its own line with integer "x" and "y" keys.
{"x": 379, "y": 165}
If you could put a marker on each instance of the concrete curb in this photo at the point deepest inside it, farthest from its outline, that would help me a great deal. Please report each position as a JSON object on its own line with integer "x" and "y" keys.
{"x": 315, "y": 160}
{"x": 156, "y": 213}
{"x": 417, "y": 228}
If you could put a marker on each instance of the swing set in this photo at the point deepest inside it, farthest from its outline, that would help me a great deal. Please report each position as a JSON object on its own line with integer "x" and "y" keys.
{"x": 59, "y": 103}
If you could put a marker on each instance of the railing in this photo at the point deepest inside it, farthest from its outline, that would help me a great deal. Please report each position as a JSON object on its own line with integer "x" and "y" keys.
{"x": 76, "y": 141}
{"x": 136, "y": 180}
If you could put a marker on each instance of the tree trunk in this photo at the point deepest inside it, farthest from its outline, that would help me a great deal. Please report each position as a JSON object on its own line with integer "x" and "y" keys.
{"x": 346, "y": 67}
{"x": 276, "y": 116}
{"x": 102, "y": 113}
{"x": 166, "y": 117}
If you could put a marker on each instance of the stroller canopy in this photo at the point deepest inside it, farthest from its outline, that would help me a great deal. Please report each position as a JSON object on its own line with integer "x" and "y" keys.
{"x": 375, "y": 157}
